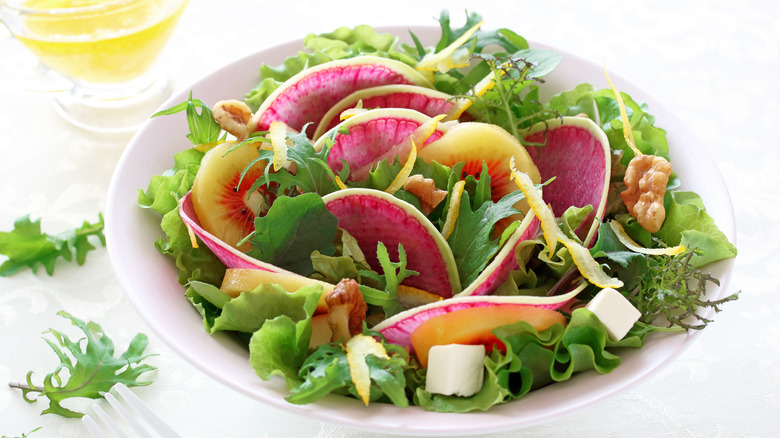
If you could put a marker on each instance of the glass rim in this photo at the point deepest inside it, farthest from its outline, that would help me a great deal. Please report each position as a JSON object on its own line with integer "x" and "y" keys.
{"x": 74, "y": 10}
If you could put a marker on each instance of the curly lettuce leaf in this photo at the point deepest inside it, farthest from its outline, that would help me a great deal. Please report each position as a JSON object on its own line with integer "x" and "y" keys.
{"x": 688, "y": 223}
{"x": 318, "y": 49}
{"x": 248, "y": 311}
{"x": 535, "y": 359}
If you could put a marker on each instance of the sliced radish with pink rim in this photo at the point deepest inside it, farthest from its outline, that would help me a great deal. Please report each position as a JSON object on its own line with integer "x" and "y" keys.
{"x": 231, "y": 257}
{"x": 373, "y": 216}
{"x": 504, "y": 262}
{"x": 576, "y": 152}
{"x": 425, "y": 100}
{"x": 399, "y": 327}
{"x": 373, "y": 136}
{"x": 307, "y": 96}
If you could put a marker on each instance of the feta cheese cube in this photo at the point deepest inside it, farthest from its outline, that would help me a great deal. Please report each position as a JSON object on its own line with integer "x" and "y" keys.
{"x": 615, "y": 311}
{"x": 455, "y": 369}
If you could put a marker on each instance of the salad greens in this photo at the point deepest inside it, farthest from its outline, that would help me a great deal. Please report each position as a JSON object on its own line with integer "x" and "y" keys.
{"x": 277, "y": 325}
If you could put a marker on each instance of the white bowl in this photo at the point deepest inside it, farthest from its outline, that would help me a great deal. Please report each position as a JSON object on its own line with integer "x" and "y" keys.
{"x": 149, "y": 279}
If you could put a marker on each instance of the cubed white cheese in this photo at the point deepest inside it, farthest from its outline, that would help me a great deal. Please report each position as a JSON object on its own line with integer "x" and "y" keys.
{"x": 615, "y": 311}
{"x": 455, "y": 369}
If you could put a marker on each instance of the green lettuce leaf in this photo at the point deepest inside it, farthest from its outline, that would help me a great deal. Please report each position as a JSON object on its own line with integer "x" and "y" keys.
{"x": 687, "y": 223}
{"x": 248, "y": 311}
{"x": 340, "y": 44}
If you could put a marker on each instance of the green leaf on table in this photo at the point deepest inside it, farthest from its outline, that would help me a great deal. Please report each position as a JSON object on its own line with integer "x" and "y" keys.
{"x": 89, "y": 366}
{"x": 27, "y": 247}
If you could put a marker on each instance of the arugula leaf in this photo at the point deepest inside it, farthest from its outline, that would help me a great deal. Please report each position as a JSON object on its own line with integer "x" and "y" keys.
{"x": 471, "y": 241}
{"x": 203, "y": 128}
{"x": 312, "y": 174}
{"x": 27, "y": 247}
{"x": 327, "y": 371}
{"x": 393, "y": 274}
{"x": 91, "y": 369}
{"x": 292, "y": 229}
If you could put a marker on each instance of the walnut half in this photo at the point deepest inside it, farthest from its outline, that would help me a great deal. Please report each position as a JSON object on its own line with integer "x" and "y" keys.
{"x": 425, "y": 189}
{"x": 233, "y": 116}
{"x": 645, "y": 179}
{"x": 346, "y": 310}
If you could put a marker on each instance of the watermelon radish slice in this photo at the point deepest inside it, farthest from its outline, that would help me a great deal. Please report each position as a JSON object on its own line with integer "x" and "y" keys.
{"x": 307, "y": 96}
{"x": 576, "y": 152}
{"x": 504, "y": 262}
{"x": 399, "y": 327}
{"x": 425, "y": 100}
{"x": 231, "y": 257}
{"x": 373, "y": 216}
{"x": 372, "y": 136}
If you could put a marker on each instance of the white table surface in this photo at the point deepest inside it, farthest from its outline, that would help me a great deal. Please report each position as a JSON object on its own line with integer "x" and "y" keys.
{"x": 713, "y": 63}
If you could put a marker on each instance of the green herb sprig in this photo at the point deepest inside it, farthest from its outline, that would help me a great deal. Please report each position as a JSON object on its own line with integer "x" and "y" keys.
{"x": 91, "y": 369}
{"x": 675, "y": 291}
{"x": 27, "y": 247}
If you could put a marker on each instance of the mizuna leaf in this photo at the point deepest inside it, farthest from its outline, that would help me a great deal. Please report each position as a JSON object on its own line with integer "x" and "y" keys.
{"x": 27, "y": 247}
{"x": 90, "y": 367}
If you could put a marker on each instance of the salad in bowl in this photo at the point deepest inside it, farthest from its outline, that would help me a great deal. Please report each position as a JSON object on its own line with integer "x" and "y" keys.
{"x": 438, "y": 226}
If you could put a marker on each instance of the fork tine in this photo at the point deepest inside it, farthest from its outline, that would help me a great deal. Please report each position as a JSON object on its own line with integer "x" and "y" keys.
{"x": 92, "y": 427}
{"x": 126, "y": 415}
{"x": 108, "y": 422}
{"x": 140, "y": 407}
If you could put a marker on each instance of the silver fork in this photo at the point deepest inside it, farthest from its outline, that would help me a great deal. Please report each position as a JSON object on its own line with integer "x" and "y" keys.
{"x": 149, "y": 420}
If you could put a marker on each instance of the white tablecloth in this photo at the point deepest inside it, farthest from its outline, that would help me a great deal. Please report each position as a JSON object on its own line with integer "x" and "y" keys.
{"x": 713, "y": 63}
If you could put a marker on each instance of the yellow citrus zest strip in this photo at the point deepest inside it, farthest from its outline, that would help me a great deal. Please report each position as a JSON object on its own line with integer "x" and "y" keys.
{"x": 443, "y": 61}
{"x": 351, "y": 112}
{"x": 628, "y": 133}
{"x": 340, "y": 183}
{"x": 626, "y": 240}
{"x": 358, "y": 347}
{"x": 452, "y": 213}
{"x": 419, "y": 135}
{"x": 582, "y": 258}
{"x": 277, "y": 133}
{"x": 542, "y": 211}
{"x": 587, "y": 265}
{"x": 399, "y": 180}
{"x": 193, "y": 239}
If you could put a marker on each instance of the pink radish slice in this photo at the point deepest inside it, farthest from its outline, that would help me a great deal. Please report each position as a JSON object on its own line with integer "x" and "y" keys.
{"x": 231, "y": 257}
{"x": 372, "y": 216}
{"x": 307, "y": 96}
{"x": 399, "y": 327}
{"x": 425, "y": 100}
{"x": 373, "y": 136}
{"x": 504, "y": 262}
{"x": 576, "y": 152}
